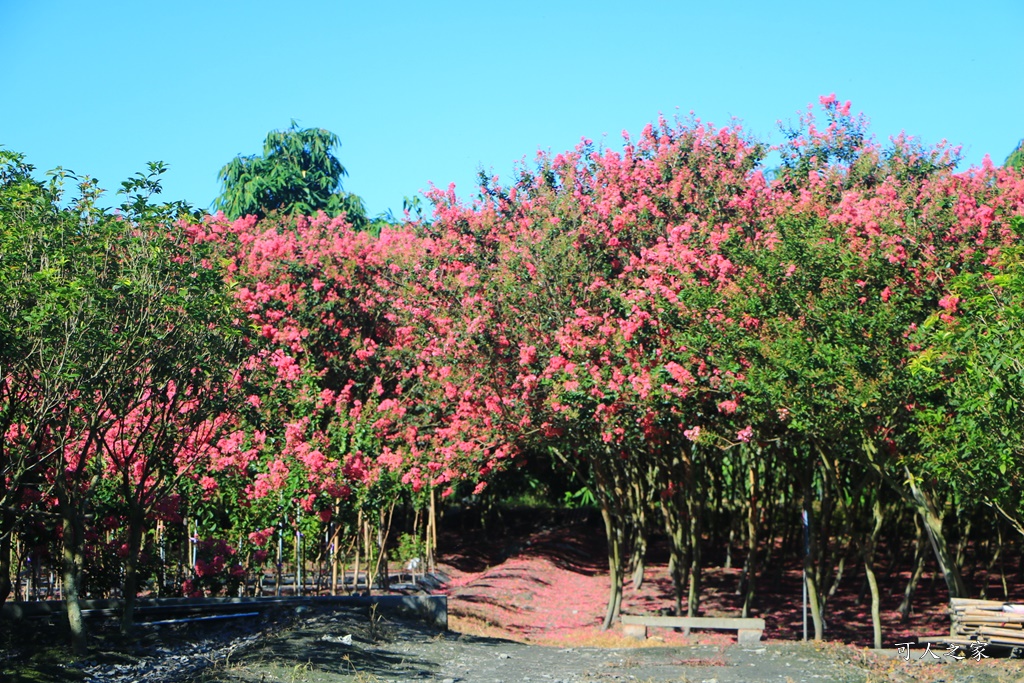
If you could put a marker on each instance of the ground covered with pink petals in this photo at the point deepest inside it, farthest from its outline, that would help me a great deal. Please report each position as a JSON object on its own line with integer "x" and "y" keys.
{"x": 551, "y": 587}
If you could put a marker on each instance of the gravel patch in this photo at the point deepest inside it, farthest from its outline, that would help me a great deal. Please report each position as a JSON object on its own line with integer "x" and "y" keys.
{"x": 339, "y": 649}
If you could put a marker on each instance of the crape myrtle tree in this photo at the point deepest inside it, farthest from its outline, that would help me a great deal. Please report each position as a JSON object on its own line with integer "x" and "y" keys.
{"x": 606, "y": 377}
{"x": 367, "y": 383}
{"x": 713, "y": 351}
{"x": 123, "y": 350}
{"x": 679, "y": 318}
{"x": 298, "y": 174}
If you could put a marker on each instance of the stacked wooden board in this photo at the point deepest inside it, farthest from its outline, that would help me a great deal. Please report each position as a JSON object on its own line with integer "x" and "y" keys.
{"x": 985, "y": 621}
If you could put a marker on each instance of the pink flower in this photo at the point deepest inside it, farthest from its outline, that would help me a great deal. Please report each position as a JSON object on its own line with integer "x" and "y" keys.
{"x": 745, "y": 434}
{"x": 949, "y": 303}
{"x": 260, "y": 538}
{"x": 527, "y": 355}
{"x": 728, "y": 406}
{"x": 826, "y": 100}
{"x": 678, "y": 373}
{"x": 692, "y": 434}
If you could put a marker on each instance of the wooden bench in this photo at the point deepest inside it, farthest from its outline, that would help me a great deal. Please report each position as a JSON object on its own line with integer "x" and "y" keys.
{"x": 748, "y": 630}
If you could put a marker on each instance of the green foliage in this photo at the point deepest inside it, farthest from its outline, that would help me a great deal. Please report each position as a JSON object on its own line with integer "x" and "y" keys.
{"x": 410, "y": 546}
{"x": 972, "y": 370}
{"x": 582, "y": 498}
{"x": 120, "y": 365}
{"x": 1016, "y": 158}
{"x": 298, "y": 173}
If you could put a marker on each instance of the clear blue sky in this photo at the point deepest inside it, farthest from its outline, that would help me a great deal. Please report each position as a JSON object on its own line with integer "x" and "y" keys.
{"x": 422, "y": 91}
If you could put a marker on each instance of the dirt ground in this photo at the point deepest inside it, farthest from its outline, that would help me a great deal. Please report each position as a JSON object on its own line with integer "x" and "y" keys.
{"x": 529, "y": 607}
{"x": 387, "y": 650}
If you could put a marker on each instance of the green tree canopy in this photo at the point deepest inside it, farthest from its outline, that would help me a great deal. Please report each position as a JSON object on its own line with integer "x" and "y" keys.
{"x": 298, "y": 173}
{"x": 1016, "y": 158}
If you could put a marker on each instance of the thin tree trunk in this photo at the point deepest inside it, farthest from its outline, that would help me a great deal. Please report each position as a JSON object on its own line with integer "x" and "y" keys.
{"x": 992, "y": 560}
{"x": 129, "y": 589}
{"x": 299, "y": 578}
{"x": 614, "y": 567}
{"x": 371, "y": 574}
{"x": 334, "y": 555}
{"x": 280, "y": 561}
{"x": 961, "y": 547}
{"x": 813, "y": 592}
{"x": 933, "y": 525}
{"x": 693, "y": 593}
{"x": 920, "y": 556}
{"x": 677, "y": 553}
{"x": 749, "y": 576}
{"x": 358, "y": 544}
{"x": 5, "y": 556}
{"x": 382, "y": 539}
{"x": 432, "y": 532}
{"x": 73, "y": 560}
{"x": 869, "y": 571}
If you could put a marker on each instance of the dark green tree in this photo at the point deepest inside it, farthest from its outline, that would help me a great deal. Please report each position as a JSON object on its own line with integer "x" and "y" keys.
{"x": 973, "y": 365}
{"x": 298, "y": 173}
{"x": 1016, "y": 158}
{"x": 113, "y": 327}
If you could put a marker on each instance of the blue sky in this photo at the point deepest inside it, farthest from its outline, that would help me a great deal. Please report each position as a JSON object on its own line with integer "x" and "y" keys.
{"x": 422, "y": 92}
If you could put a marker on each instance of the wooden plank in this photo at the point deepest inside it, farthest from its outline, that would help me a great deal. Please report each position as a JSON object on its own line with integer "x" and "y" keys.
{"x": 1012, "y": 633}
{"x": 750, "y": 623}
{"x": 1007, "y": 642}
{"x": 975, "y": 601}
{"x": 945, "y": 639}
{"x": 995, "y": 619}
{"x": 984, "y": 610}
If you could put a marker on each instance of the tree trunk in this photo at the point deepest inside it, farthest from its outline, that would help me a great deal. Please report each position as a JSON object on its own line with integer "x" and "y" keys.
{"x": 693, "y": 594}
{"x": 613, "y": 532}
{"x": 638, "y": 571}
{"x": 368, "y": 545}
{"x": 383, "y": 531}
{"x": 749, "y": 575}
{"x": 299, "y": 578}
{"x": 129, "y": 587}
{"x": 869, "y": 571}
{"x": 73, "y": 558}
{"x": 933, "y": 526}
{"x": 280, "y": 561}
{"x": 334, "y": 553}
{"x": 916, "y": 571}
{"x": 678, "y": 560}
{"x": 6, "y": 532}
{"x": 432, "y": 532}
{"x": 812, "y": 596}
{"x": 810, "y": 553}
{"x": 358, "y": 545}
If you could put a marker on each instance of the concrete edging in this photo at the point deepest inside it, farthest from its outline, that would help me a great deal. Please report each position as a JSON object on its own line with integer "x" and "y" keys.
{"x": 432, "y": 609}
